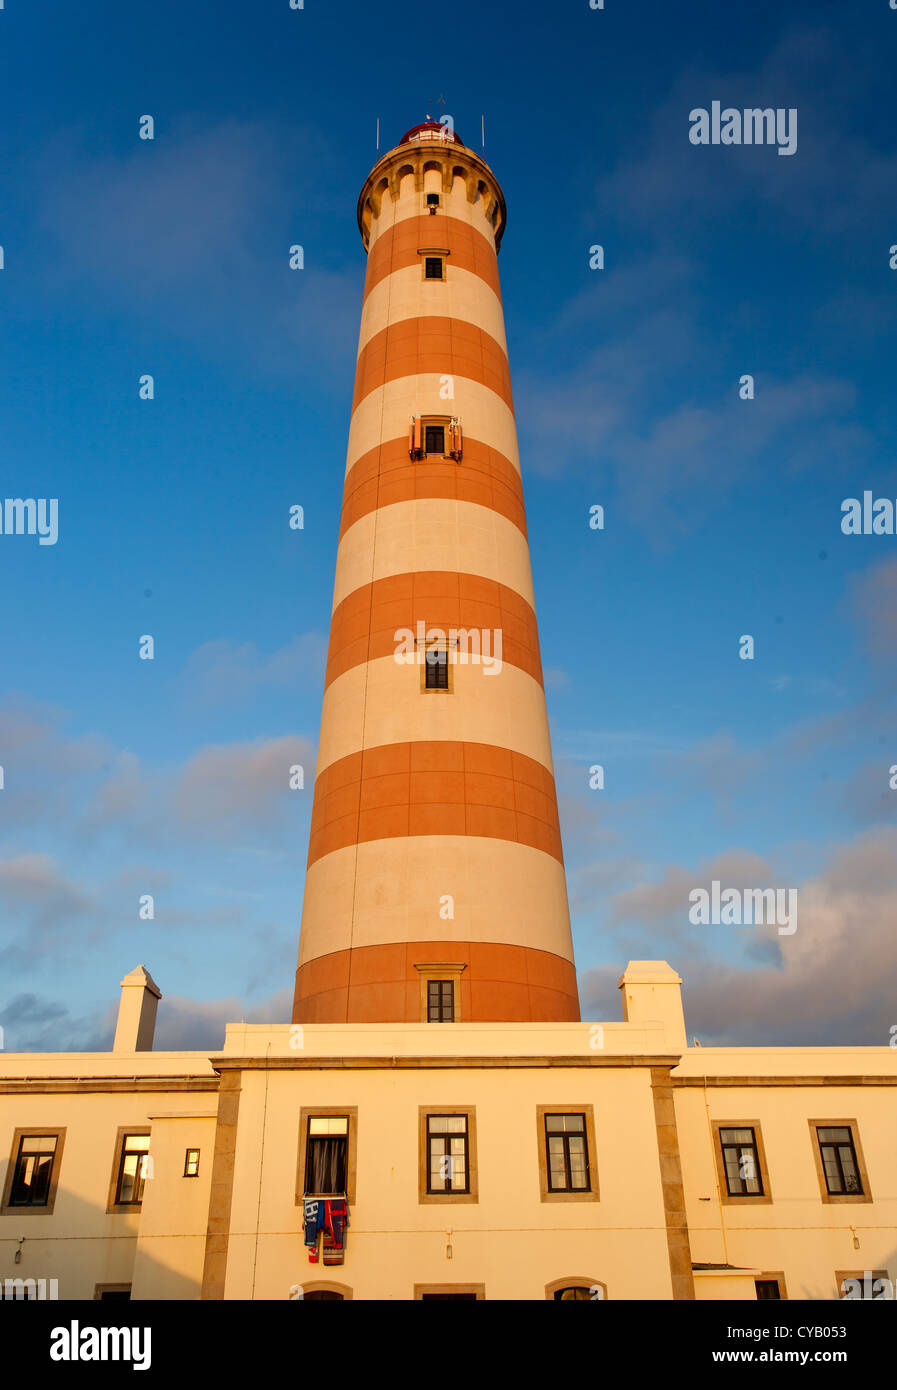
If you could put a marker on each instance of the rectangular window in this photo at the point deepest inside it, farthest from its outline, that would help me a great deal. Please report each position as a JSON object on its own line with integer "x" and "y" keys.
{"x": 433, "y": 268}
{"x": 444, "y": 973}
{"x": 434, "y": 439}
{"x": 742, "y": 1173}
{"x": 839, "y": 1160}
{"x": 33, "y": 1171}
{"x": 741, "y": 1162}
{"x": 767, "y": 1289}
{"x": 447, "y": 1153}
{"x": 567, "y": 1153}
{"x": 863, "y": 1284}
{"x": 436, "y": 664}
{"x": 327, "y": 1155}
{"x": 191, "y": 1163}
{"x": 132, "y": 1170}
{"x": 440, "y": 1001}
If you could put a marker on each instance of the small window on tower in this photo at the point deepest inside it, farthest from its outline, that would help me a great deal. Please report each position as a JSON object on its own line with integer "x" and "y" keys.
{"x": 436, "y": 669}
{"x": 440, "y": 1001}
{"x": 434, "y": 439}
{"x": 191, "y": 1164}
{"x": 432, "y": 201}
{"x": 433, "y": 268}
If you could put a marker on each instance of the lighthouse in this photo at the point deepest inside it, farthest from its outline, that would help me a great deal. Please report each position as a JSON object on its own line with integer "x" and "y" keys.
{"x": 435, "y": 887}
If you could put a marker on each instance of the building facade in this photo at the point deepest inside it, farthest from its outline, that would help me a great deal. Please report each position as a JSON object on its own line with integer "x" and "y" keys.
{"x": 707, "y": 1173}
{"x": 437, "y": 1122}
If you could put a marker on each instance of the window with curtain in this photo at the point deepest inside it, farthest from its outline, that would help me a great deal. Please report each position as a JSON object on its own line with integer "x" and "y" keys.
{"x": 327, "y": 1155}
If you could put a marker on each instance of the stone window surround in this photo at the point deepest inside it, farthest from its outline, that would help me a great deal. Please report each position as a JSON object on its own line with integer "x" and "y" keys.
{"x": 779, "y": 1276}
{"x": 325, "y": 1286}
{"x": 572, "y": 1280}
{"x": 59, "y": 1132}
{"x": 309, "y": 1112}
{"x": 443, "y": 253}
{"x": 860, "y": 1274}
{"x": 567, "y": 1108}
{"x": 426, "y": 1198}
{"x": 833, "y": 1197}
{"x": 745, "y": 1200}
{"x": 440, "y": 970}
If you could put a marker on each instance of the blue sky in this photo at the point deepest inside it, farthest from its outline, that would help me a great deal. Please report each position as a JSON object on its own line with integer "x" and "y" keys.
{"x": 123, "y": 257}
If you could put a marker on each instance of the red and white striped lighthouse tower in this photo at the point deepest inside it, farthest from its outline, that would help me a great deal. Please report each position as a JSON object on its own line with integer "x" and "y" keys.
{"x": 435, "y": 886}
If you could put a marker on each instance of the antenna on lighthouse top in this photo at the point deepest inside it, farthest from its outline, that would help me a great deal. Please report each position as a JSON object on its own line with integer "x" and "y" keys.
{"x": 483, "y": 130}
{"x": 378, "y": 134}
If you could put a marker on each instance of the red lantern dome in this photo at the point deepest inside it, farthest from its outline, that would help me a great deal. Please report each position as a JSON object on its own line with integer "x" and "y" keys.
{"x": 431, "y": 130}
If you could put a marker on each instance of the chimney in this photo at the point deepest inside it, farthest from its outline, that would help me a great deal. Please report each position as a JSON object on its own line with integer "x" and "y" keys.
{"x": 652, "y": 993}
{"x": 136, "y": 1024}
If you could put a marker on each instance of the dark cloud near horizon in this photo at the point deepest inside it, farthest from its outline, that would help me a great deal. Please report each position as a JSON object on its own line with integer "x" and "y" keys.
{"x": 833, "y": 983}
